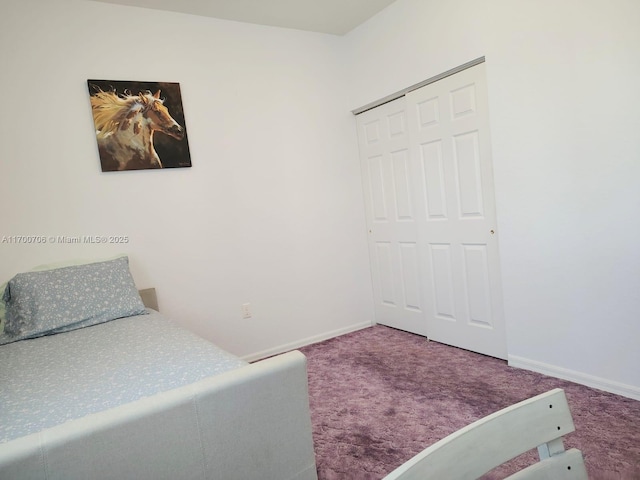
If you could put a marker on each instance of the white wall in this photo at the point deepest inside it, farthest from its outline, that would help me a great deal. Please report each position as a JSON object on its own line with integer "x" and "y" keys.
{"x": 270, "y": 213}
{"x": 564, "y": 102}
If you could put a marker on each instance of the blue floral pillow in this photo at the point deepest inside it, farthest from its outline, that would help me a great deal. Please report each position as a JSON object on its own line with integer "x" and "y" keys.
{"x": 63, "y": 299}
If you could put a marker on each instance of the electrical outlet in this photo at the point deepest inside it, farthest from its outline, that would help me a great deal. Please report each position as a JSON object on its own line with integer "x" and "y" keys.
{"x": 246, "y": 310}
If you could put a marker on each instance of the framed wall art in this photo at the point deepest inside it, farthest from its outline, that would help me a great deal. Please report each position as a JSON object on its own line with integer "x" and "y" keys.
{"x": 139, "y": 125}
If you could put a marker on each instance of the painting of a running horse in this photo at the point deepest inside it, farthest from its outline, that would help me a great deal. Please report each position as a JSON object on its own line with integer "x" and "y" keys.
{"x": 139, "y": 125}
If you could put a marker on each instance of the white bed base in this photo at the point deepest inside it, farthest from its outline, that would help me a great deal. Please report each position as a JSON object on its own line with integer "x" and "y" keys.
{"x": 249, "y": 423}
{"x": 471, "y": 452}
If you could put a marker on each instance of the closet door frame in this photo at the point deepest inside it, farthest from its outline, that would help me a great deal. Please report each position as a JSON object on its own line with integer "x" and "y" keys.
{"x": 430, "y": 206}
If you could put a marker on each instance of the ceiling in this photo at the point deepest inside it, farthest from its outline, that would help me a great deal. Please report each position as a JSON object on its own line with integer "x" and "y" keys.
{"x": 335, "y": 17}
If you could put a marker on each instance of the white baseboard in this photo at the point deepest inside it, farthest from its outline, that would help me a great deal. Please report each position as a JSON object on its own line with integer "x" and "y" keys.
{"x": 618, "y": 388}
{"x": 304, "y": 342}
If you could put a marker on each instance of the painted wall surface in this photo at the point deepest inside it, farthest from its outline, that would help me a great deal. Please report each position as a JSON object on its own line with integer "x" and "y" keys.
{"x": 271, "y": 212}
{"x": 564, "y": 100}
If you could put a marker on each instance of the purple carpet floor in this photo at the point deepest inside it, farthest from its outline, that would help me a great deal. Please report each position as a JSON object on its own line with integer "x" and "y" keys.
{"x": 379, "y": 396}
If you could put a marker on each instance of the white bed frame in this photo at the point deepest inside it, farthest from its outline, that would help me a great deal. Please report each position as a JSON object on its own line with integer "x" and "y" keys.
{"x": 248, "y": 423}
{"x": 471, "y": 452}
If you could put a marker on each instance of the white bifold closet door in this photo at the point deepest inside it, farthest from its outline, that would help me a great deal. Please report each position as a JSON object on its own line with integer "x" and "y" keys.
{"x": 429, "y": 197}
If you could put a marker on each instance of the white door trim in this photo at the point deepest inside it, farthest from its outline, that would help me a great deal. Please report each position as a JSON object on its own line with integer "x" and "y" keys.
{"x": 404, "y": 91}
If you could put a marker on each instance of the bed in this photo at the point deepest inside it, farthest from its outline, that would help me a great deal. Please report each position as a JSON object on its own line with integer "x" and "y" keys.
{"x": 471, "y": 452}
{"x": 96, "y": 385}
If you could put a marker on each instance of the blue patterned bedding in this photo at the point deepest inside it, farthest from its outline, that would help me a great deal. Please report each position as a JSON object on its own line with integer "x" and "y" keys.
{"x": 49, "y": 380}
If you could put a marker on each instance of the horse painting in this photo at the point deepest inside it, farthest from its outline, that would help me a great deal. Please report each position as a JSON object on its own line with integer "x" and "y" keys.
{"x": 126, "y": 126}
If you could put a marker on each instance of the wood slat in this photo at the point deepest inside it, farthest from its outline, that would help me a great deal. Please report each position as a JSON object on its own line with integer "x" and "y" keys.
{"x": 491, "y": 441}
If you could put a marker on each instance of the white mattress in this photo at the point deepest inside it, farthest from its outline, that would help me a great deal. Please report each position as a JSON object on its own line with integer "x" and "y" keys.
{"x": 49, "y": 380}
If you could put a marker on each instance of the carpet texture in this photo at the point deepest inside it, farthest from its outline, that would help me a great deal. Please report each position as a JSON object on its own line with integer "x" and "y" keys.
{"x": 379, "y": 396}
